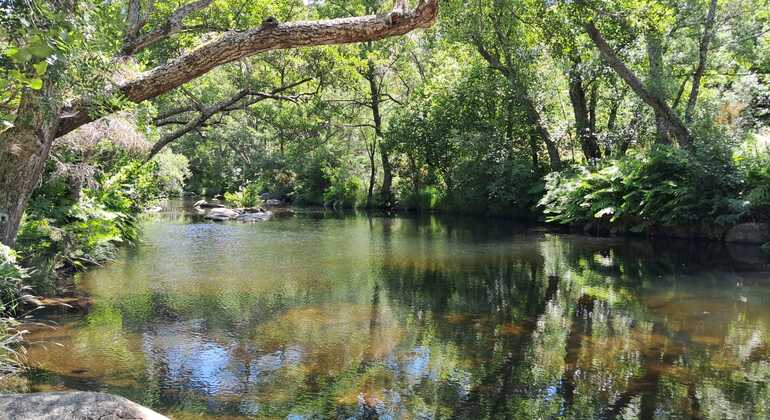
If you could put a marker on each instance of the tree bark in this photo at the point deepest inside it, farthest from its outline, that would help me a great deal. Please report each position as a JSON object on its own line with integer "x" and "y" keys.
{"x": 656, "y": 84}
{"x": 583, "y": 120}
{"x": 234, "y": 45}
{"x": 676, "y": 125}
{"x": 387, "y": 170}
{"x": 703, "y": 48}
{"x": 537, "y": 126}
{"x": 24, "y": 149}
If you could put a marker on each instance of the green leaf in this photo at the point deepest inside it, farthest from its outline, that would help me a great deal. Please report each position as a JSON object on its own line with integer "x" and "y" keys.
{"x": 36, "y": 84}
{"x": 40, "y": 67}
{"x": 40, "y": 49}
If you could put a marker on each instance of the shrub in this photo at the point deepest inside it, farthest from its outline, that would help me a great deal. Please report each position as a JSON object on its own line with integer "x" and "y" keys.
{"x": 666, "y": 186}
{"x": 248, "y": 196}
{"x": 754, "y": 163}
{"x": 426, "y": 199}
{"x": 12, "y": 277}
{"x": 344, "y": 191}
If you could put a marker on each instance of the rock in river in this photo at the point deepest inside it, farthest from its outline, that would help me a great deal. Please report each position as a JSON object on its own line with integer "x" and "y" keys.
{"x": 221, "y": 214}
{"x": 72, "y": 406}
{"x": 255, "y": 217}
{"x": 206, "y": 205}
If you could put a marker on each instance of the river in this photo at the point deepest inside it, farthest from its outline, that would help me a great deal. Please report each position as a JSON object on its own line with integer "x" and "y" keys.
{"x": 348, "y": 316}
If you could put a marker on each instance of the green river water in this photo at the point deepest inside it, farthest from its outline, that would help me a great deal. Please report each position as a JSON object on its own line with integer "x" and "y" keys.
{"x": 327, "y": 316}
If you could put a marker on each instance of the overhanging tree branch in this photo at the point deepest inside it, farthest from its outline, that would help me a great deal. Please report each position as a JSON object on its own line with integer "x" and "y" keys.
{"x": 234, "y": 45}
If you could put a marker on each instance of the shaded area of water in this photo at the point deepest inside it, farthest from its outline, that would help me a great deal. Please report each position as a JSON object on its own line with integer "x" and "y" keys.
{"x": 320, "y": 316}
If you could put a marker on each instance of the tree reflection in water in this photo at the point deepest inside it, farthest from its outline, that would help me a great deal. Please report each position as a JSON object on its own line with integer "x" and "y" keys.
{"x": 420, "y": 318}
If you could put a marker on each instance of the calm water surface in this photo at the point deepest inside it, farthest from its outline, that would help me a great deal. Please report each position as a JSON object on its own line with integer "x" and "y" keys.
{"x": 323, "y": 316}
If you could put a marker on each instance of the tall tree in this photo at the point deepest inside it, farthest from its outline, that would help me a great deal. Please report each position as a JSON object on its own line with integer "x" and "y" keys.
{"x": 41, "y": 115}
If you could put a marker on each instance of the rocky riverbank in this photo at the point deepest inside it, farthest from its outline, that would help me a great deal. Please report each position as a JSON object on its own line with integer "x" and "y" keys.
{"x": 76, "y": 405}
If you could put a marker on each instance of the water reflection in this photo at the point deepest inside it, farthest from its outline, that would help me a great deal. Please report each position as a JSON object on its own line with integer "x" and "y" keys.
{"x": 364, "y": 317}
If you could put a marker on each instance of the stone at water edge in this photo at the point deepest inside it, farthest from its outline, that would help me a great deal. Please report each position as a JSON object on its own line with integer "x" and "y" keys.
{"x": 273, "y": 202}
{"x": 77, "y": 405}
{"x": 203, "y": 204}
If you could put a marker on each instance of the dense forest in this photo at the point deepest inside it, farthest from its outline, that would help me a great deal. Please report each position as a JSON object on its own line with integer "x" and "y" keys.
{"x": 647, "y": 117}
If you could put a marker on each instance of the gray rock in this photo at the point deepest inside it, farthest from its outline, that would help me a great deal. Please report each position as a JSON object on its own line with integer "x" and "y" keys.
{"x": 273, "y": 202}
{"x": 206, "y": 205}
{"x": 221, "y": 214}
{"x": 72, "y": 406}
{"x": 254, "y": 217}
{"x": 749, "y": 233}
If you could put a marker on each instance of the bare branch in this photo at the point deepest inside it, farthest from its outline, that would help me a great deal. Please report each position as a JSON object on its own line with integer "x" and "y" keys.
{"x": 227, "y": 105}
{"x": 136, "y": 42}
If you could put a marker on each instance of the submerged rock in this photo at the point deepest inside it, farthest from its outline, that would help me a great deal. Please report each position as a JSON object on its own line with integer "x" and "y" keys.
{"x": 72, "y": 405}
{"x": 255, "y": 217}
{"x": 749, "y": 233}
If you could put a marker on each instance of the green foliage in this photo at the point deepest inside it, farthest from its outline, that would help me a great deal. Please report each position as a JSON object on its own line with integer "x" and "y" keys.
{"x": 248, "y": 196}
{"x": 12, "y": 278}
{"x": 754, "y": 164}
{"x": 666, "y": 186}
{"x": 344, "y": 191}
{"x": 66, "y": 228}
{"x": 424, "y": 200}
{"x": 171, "y": 171}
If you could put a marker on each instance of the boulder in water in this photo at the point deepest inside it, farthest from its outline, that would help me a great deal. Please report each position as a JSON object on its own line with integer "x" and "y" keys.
{"x": 221, "y": 214}
{"x": 72, "y": 405}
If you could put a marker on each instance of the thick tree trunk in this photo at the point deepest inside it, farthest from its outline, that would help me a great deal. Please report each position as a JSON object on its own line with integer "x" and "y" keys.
{"x": 703, "y": 48}
{"x": 660, "y": 107}
{"x": 583, "y": 122}
{"x": 23, "y": 152}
